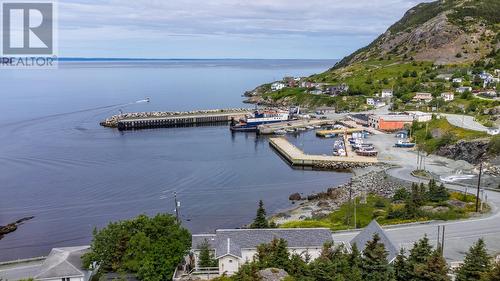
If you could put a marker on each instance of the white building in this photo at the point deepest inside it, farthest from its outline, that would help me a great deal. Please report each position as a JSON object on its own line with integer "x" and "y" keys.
{"x": 234, "y": 247}
{"x": 448, "y": 96}
{"x": 386, "y": 93}
{"x": 420, "y": 116}
{"x": 457, "y": 80}
{"x": 462, "y": 90}
{"x": 370, "y": 101}
{"x": 276, "y": 86}
{"x": 64, "y": 264}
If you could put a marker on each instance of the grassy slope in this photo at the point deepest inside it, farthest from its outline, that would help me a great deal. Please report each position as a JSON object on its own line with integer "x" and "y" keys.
{"x": 365, "y": 213}
{"x": 423, "y": 134}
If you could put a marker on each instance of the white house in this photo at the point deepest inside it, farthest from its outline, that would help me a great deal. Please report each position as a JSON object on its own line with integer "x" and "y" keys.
{"x": 420, "y": 116}
{"x": 370, "y": 101}
{"x": 448, "y": 96}
{"x": 234, "y": 247}
{"x": 386, "y": 93}
{"x": 64, "y": 264}
{"x": 276, "y": 86}
{"x": 457, "y": 80}
{"x": 426, "y": 97}
{"x": 461, "y": 90}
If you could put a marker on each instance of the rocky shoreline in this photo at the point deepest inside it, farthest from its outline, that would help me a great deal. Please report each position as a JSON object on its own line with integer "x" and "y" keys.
{"x": 368, "y": 180}
{"x": 112, "y": 121}
{"x": 11, "y": 227}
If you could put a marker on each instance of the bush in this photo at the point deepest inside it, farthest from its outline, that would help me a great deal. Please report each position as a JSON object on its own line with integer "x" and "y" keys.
{"x": 401, "y": 195}
{"x": 494, "y": 145}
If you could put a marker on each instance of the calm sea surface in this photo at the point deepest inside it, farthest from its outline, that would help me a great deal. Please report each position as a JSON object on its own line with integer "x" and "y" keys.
{"x": 59, "y": 165}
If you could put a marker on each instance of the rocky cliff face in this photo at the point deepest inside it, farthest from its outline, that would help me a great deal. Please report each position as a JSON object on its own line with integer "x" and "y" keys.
{"x": 473, "y": 152}
{"x": 445, "y": 31}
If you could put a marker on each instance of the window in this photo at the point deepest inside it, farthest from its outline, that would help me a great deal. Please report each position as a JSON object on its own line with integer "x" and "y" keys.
{"x": 66, "y": 279}
{"x": 230, "y": 261}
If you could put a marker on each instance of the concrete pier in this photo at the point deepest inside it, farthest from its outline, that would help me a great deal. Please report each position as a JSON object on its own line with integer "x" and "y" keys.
{"x": 144, "y": 120}
{"x": 298, "y": 158}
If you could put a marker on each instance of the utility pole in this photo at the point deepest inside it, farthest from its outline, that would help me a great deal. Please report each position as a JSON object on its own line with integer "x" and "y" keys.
{"x": 442, "y": 242}
{"x": 177, "y": 206}
{"x": 438, "y": 237}
{"x": 478, "y": 186}
{"x": 355, "y": 222}
{"x": 350, "y": 202}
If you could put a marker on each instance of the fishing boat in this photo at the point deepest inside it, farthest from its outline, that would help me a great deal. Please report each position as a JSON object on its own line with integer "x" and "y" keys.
{"x": 329, "y": 136}
{"x": 301, "y": 129}
{"x": 290, "y": 130}
{"x": 365, "y": 152}
{"x": 317, "y": 127}
{"x": 309, "y": 127}
{"x": 250, "y": 123}
{"x": 280, "y": 132}
{"x": 404, "y": 144}
{"x": 339, "y": 148}
{"x": 366, "y": 146}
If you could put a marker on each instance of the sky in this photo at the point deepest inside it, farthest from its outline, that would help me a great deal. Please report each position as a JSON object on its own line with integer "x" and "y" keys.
{"x": 266, "y": 29}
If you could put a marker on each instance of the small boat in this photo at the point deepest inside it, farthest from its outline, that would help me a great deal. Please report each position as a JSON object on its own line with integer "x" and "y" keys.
{"x": 290, "y": 130}
{"x": 366, "y": 146}
{"x": 317, "y": 127}
{"x": 329, "y": 136}
{"x": 404, "y": 144}
{"x": 279, "y": 132}
{"x": 364, "y": 152}
{"x": 309, "y": 127}
{"x": 147, "y": 99}
{"x": 339, "y": 152}
{"x": 301, "y": 129}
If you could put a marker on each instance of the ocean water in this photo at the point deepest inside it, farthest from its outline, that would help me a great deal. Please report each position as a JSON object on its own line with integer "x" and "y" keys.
{"x": 58, "y": 165}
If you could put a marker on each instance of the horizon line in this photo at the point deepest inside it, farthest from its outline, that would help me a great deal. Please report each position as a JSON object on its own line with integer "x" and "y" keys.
{"x": 172, "y": 59}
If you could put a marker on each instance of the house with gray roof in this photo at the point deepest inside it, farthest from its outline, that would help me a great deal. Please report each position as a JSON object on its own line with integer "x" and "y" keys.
{"x": 234, "y": 247}
{"x": 367, "y": 235}
{"x": 64, "y": 264}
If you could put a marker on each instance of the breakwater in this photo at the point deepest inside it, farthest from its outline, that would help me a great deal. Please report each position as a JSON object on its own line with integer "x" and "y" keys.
{"x": 157, "y": 119}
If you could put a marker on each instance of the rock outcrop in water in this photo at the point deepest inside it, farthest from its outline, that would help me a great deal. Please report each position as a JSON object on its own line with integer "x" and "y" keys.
{"x": 11, "y": 227}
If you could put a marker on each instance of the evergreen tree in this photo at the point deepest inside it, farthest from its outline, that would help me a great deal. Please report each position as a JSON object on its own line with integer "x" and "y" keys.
{"x": 355, "y": 261}
{"x": 437, "y": 193}
{"x": 274, "y": 254}
{"x": 494, "y": 274}
{"x": 206, "y": 258}
{"x": 297, "y": 267}
{"x": 374, "y": 262}
{"x": 476, "y": 263}
{"x": 420, "y": 252}
{"x": 435, "y": 269}
{"x": 401, "y": 267}
{"x": 260, "y": 220}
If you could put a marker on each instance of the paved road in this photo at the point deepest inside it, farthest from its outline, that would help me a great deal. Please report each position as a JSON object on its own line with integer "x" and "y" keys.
{"x": 460, "y": 235}
{"x": 465, "y": 121}
{"x": 19, "y": 271}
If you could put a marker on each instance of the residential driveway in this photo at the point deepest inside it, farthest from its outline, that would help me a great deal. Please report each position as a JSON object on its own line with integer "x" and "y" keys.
{"x": 465, "y": 121}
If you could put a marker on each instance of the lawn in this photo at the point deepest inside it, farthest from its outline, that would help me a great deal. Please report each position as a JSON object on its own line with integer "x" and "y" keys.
{"x": 439, "y": 132}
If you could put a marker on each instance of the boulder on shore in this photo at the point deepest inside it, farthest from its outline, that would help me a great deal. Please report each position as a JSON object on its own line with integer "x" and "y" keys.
{"x": 272, "y": 274}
